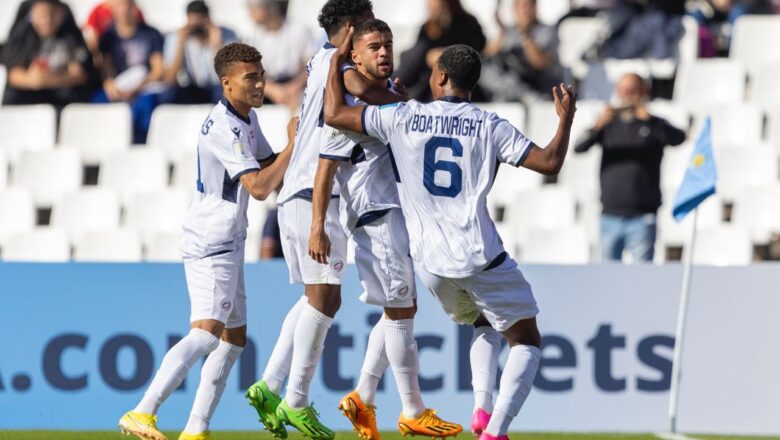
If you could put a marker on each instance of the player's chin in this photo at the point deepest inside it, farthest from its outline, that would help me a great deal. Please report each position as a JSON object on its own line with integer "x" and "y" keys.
{"x": 256, "y": 100}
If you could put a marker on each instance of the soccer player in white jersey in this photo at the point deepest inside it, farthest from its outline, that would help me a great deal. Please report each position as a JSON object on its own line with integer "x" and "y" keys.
{"x": 301, "y": 338}
{"x": 447, "y": 153}
{"x": 369, "y": 200}
{"x": 234, "y": 162}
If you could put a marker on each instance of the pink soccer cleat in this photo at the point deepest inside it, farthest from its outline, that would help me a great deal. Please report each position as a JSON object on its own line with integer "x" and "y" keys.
{"x": 479, "y": 421}
{"x": 486, "y": 436}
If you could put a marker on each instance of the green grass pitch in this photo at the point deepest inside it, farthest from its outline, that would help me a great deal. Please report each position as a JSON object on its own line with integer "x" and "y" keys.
{"x": 102, "y": 435}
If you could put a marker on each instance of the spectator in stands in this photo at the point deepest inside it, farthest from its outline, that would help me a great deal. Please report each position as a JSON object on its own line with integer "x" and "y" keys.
{"x": 47, "y": 58}
{"x": 132, "y": 65}
{"x": 99, "y": 21}
{"x": 632, "y": 142}
{"x": 716, "y": 19}
{"x": 447, "y": 24}
{"x": 522, "y": 62}
{"x": 587, "y": 8}
{"x": 286, "y": 48}
{"x": 271, "y": 243}
{"x": 189, "y": 58}
{"x": 641, "y": 29}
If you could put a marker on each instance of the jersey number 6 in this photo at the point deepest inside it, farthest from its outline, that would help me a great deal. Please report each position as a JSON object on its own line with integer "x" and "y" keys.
{"x": 432, "y": 165}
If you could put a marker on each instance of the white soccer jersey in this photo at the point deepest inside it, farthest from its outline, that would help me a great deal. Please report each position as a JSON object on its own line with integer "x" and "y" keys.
{"x": 367, "y": 180}
{"x": 446, "y": 154}
{"x": 299, "y": 178}
{"x": 229, "y": 146}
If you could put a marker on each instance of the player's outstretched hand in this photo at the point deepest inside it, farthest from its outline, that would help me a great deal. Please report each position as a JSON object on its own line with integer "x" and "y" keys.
{"x": 565, "y": 99}
{"x": 292, "y": 130}
{"x": 319, "y": 246}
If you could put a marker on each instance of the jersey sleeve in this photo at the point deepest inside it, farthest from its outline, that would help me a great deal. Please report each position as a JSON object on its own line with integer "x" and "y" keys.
{"x": 335, "y": 144}
{"x": 511, "y": 145}
{"x": 236, "y": 157}
{"x": 379, "y": 121}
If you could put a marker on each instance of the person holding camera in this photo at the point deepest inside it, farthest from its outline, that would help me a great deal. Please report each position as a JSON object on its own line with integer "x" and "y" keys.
{"x": 189, "y": 56}
{"x": 632, "y": 142}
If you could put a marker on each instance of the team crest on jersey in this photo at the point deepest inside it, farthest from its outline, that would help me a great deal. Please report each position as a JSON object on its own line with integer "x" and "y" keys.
{"x": 236, "y": 131}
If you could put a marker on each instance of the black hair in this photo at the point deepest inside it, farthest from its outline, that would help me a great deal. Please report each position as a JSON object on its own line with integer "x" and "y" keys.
{"x": 337, "y": 12}
{"x": 462, "y": 64}
{"x": 198, "y": 7}
{"x": 370, "y": 26}
{"x": 232, "y": 54}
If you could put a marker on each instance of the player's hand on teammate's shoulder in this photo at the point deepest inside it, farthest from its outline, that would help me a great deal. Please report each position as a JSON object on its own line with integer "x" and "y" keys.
{"x": 565, "y": 99}
{"x": 401, "y": 89}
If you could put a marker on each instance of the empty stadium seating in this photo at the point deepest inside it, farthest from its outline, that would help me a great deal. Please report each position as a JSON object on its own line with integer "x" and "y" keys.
{"x": 96, "y": 130}
{"x": 156, "y": 211}
{"x": 561, "y": 246}
{"x": 43, "y": 245}
{"x": 163, "y": 247}
{"x": 27, "y": 128}
{"x": 704, "y": 83}
{"x": 754, "y": 41}
{"x": 17, "y": 213}
{"x": 722, "y": 245}
{"x": 134, "y": 171}
{"x": 175, "y": 128}
{"x": 119, "y": 245}
{"x": 87, "y": 210}
{"x": 49, "y": 174}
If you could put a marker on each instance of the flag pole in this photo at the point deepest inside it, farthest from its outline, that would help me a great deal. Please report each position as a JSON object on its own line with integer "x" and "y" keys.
{"x": 685, "y": 292}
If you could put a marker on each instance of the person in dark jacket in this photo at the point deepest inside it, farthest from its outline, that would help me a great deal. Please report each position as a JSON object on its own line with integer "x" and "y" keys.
{"x": 47, "y": 58}
{"x": 633, "y": 144}
{"x": 448, "y": 23}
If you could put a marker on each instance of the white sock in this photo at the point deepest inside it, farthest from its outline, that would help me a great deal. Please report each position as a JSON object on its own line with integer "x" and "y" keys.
{"x": 278, "y": 366}
{"x": 374, "y": 364}
{"x": 516, "y": 383}
{"x": 310, "y": 332}
{"x": 402, "y": 352}
{"x": 174, "y": 367}
{"x": 213, "y": 377}
{"x": 485, "y": 348}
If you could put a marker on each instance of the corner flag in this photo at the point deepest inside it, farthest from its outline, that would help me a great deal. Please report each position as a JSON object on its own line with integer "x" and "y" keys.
{"x": 700, "y": 178}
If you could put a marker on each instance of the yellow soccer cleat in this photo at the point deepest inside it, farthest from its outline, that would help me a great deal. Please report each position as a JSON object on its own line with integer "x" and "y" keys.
{"x": 201, "y": 436}
{"x": 141, "y": 425}
{"x": 428, "y": 424}
{"x": 361, "y": 415}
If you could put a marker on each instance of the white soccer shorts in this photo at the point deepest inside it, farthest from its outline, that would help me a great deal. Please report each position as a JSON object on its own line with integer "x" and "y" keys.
{"x": 216, "y": 288}
{"x": 501, "y": 294}
{"x": 384, "y": 266}
{"x": 295, "y": 228}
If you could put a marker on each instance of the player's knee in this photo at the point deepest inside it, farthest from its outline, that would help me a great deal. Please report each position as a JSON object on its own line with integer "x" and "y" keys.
{"x": 398, "y": 313}
{"x": 523, "y": 332}
{"x": 235, "y": 336}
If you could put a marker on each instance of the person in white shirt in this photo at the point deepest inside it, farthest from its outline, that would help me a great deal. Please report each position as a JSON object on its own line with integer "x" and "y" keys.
{"x": 286, "y": 47}
{"x": 369, "y": 198}
{"x": 302, "y": 336}
{"x": 234, "y": 162}
{"x": 447, "y": 153}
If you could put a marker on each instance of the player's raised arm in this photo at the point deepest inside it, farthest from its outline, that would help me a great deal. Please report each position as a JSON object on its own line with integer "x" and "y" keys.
{"x": 359, "y": 86}
{"x": 549, "y": 160}
{"x": 260, "y": 184}
{"x": 337, "y": 113}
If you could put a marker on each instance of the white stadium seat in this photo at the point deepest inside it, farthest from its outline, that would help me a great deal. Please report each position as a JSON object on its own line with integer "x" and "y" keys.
{"x": 90, "y": 209}
{"x": 672, "y": 233}
{"x": 185, "y": 171}
{"x": 8, "y": 10}
{"x": 163, "y": 247}
{"x": 169, "y": 15}
{"x": 580, "y": 173}
{"x": 116, "y": 246}
{"x": 273, "y": 120}
{"x": 546, "y": 207}
{"x": 705, "y": 83}
{"x": 134, "y": 171}
{"x": 175, "y": 128}
{"x": 765, "y": 87}
{"x": 27, "y": 128}
{"x": 513, "y": 112}
{"x": 96, "y": 129}
{"x": 758, "y": 211}
{"x": 725, "y": 245}
{"x": 754, "y": 41}
{"x": 773, "y": 128}
{"x": 576, "y": 35}
{"x": 673, "y": 166}
{"x": 733, "y": 125}
{"x": 17, "y": 212}
{"x": 743, "y": 168}
{"x": 599, "y": 82}
{"x": 49, "y": 174}
{"x": 42, "y": 245}
{"x": 674, "y": 113}
{"x": 543, "y": 121}
{"x": 3, "y": 170}
{"x": 157, "y": 211}
{"x": 81, "y": 9}
{"x": 557, "y": 246}
{"x": 233, "y": 14}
